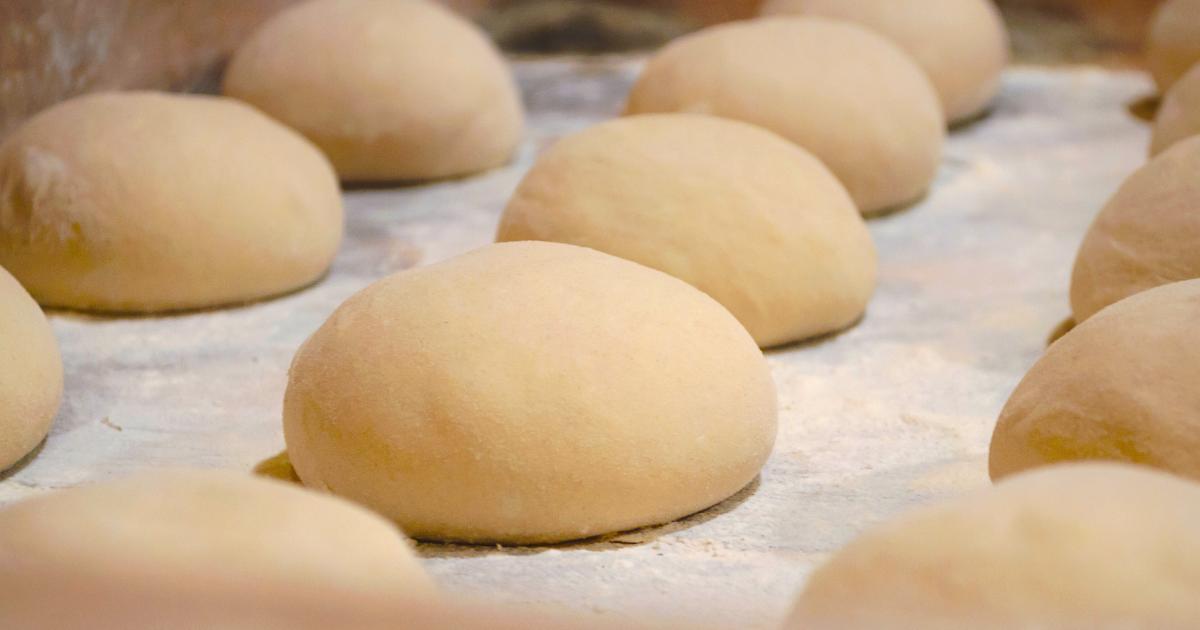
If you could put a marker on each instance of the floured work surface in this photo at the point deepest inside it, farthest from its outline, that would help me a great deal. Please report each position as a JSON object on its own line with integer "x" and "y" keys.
{"x": 895, "y": 412}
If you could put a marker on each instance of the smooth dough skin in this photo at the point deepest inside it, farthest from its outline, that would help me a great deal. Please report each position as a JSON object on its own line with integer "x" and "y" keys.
{"x": 1073, "y": 546}
{"x": 1146, "y": 236}
{"x": 389, "y": 89}
{"x": 144, "y": 202}
{"x": 850, "y": 97}
{"x": 750, "y": 219}
{"x": 1174, "y": 42}
{"x": 530, "y": 393}
{"x": 1120, "y": 386}
{"x": 1179, "y": 115}
{"x": 961, "y": 44}
{"x": 31, "y": 373}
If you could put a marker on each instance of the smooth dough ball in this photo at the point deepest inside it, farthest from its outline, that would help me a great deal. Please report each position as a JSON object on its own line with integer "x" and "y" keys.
{"x": 739, "y": 213}
{"x": 849, "y": 96}
{"x": 1072, "y": 546}
{"x": 1120, "y": 386}
{"x": 389, "y": 89}
{"x": 1179, "y": 115}
{"x": 211, "y": 528}
{"x": 31, "y": 373}
{"x": 1148, "y": 234}
{"x": 1174, "y": 43}
{"x": 143, "y": 202}
{"x": 530, "y": 393}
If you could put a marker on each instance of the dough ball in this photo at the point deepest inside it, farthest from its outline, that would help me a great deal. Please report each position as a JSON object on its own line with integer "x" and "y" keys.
{"x": 211, "y": 529}
{"x": 1072, "y": 546}
{"x": 962, "y": 45}
{"x": 389, "y": 89}
{"x": 1179, "y": 115}
{"x": 142, "y": 202}
{"x": 31, "y": 373}
{"x": 530, "y": 393}
{"x": 1148, "y": 234}
{"x": 734, "y": 210}
{"x": 849, "y": 96}
{"x": 1174, "y": 43}
{"x": 1120, "y": 386}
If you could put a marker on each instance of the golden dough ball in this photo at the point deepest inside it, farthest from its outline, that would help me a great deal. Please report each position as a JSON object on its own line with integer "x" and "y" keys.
{"x": 1174, "y": 42}
{"x": 1179, "y": 115}
{"x": 31, "y": 373}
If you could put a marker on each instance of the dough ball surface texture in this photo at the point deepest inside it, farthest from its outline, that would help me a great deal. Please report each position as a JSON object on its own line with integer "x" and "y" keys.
{"x": 1174, "y": 43}
{"x": 850, "y": 97}
{"x": 31, "y": 373}
{"x": 142, "y": 202}
{"x": 212, "y": 528}
{"x": 1146, "y": 236}
{"x": 1120, "y": 386}
{"x": 750, "y": 219}
{"x": 530, "y": 393}
{"x": 1072, "y": 546}
{"x": 389, "y": 89}
{"x": 961, "y": 44}
{"x": 1179, "y": 115}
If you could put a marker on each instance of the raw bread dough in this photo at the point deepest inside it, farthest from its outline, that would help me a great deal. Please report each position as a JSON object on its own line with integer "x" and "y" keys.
{"x": 1072, "y": 546}
{"x": 741, "y": 214}
{"x": 530, "y": 393}
{"x": 1179, "y": 115}
{"x": 141, "y": 202}
{"x": 1148, "y": 234}
{"x": 31, "y": 373}
{"x": 1174, "y": 44}
{"x": 389, "y": 89}
{"x": 961, "y": 44}
{"x": 849, "y": 96}
{"x": 211, "y": 529}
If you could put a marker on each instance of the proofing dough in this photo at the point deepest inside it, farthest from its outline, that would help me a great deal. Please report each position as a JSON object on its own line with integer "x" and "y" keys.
{"x": 389, "y": 89}
{"x": 741, "y": 214}
{"x": 1174, "y": 44}
{"x": 530, "y": 393}
{"x": 1179, "y": 115}
{"x": 961, "y": 44}
{"x": 849, "y": 96}
{"x": 138, "y": 201}
{"x": 31, "y": 374}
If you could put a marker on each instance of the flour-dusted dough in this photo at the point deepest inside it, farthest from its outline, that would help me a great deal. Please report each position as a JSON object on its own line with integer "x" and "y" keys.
{"x": 1073, "y": 546}
{"x": 31, "y": 373}
{"x": 1179, "y": 115}
{"x": 141, "y": 202}
{"x": 530, "y": 393}
{"x": 389, "y": 89}
{"x": 961, "y": 44}
{"x": 736, "y": 211}
{"x": 1174, "y": 43}
{"x": 1147, "y": 235}
{"x": 848, "y": 96}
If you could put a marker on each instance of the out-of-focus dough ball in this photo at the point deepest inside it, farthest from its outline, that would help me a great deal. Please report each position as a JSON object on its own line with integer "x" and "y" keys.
{"x": 961, "y": 44}
{"x": 1120, "y": 386}
{"x": 1072, "y": 546}
{"x": 736, "y": 211}
{"x": 211, "y": 529}
{"x": 530, "y": 393}
{"x": 850, "y": 97}
{"x": 389, "y": 89}
{"x": 140, "y": 202}
{"x": 1174, "y": 43}
{"x": 1147, "y": 235}
{"x": 31, "y": 373}
{"x": 1179, "y": 115}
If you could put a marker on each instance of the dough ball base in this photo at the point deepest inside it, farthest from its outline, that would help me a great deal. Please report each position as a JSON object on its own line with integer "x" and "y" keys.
{"x": 1179, "y": 115}
{"x": 1174, "y": 43}
{"x": 31, "y": 373}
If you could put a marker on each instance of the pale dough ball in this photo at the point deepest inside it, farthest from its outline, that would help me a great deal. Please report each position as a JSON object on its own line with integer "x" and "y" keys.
{"x": 31, "y": 373}
{"x": 221, "y": 529}
{"x": 530, "y": 393}
{"x": 1147, "y": 235}
{"x": 848, "y": 96}
{"x": 741, "y": 214}
{"x": 389, "y": 89}
{"x": 1179, "y": 115}
{"x": 1174, "y": 43}
{"x": 961, "y": 44}
{"x": 141, "y": 202}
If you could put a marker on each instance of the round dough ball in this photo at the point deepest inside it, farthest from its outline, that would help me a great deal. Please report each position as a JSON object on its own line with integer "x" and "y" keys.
{"x": 739, "y": 213}
{"x": 1120, "y": 386}
{"x": 849, "y": 96}
{"x": 389, "y": 89}
{"x": 143, "y": 202}
{"x": 1148, "y": 234}
{"x": 1174, "y": 43}
{"x": 211, "y": 528}
{"x": 962, "y": 44}
{"x": 1179, "y": 115}
{"x": 530, "y": 393}
{"x": 1072, "y": 546}
{"x": 31, "y": 373}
